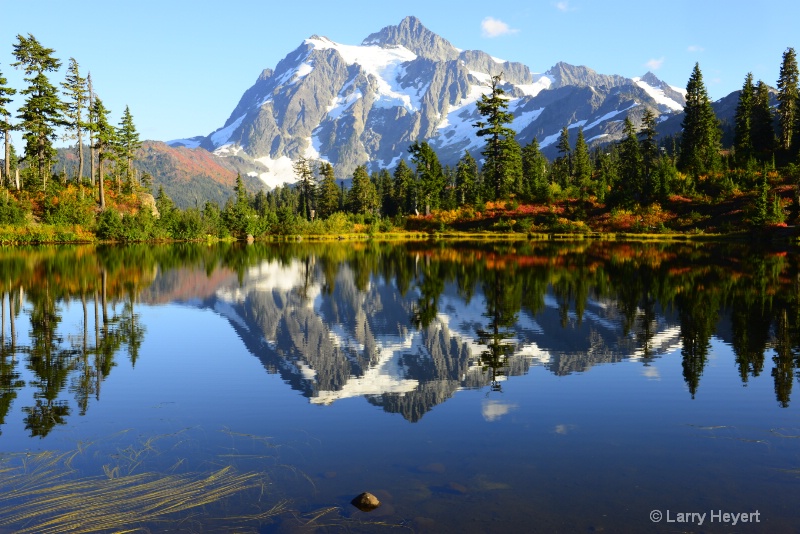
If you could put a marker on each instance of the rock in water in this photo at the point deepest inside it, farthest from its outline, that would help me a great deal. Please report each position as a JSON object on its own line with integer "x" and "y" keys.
{"x": 366, "y": 502}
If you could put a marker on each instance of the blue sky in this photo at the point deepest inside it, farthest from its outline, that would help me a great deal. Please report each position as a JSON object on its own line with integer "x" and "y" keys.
{"x": 182, "y": 65}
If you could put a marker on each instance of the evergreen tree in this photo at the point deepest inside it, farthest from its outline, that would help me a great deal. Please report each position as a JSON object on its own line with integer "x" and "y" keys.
{"x": 429, "y": 174}
{"x": 500, "y": 169}
{"x": 650, "y": 155}
{"x": 306, "y": 185}
{"x": 630, "y": 166}
{"x": 90, "y": 127}
{"x": 239, "y": 215}
{"x": 5, "y": 128}
{"x": 582, "y": 166}
{"x": 329, "y": 193}
{"x": 404, "y": 189}
{"x": 76, "y": 91}
{"x": 742, "y": 143}
{"x": 105, "y": 140}
{"x": 534, "y": 171}
{"x": 40, "y": 114}
{"x": 562, "y": 166}
{"x": 700, "y": 141}
{"x": 129, "y": 143}
{"x": 762, "y": 131}
{"x": 385, "y": 187}
{"x": 788, "y": 99}
{"x": 467, "y": 192}
{"x": 362, "y": 197}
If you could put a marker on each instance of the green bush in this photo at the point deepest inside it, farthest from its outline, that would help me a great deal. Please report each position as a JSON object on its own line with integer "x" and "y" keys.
{"x": 12, "y": 212}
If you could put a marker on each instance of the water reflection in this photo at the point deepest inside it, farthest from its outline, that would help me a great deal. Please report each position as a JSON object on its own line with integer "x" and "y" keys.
{"x": 404, "y": 326}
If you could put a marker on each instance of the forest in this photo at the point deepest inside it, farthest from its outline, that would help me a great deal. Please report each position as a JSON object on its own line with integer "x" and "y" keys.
{"x": 643, "y": 184}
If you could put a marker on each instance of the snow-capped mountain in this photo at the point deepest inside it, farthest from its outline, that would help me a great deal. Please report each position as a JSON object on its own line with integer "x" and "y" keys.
{"x": 365, "y": 104}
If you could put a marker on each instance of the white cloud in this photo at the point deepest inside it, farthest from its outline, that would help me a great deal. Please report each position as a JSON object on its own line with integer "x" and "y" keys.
{"x": 493, "y": 410}
{"x": 564, "y": 6}
{"x": 493, "y": 27}
{"x": 695, "y": 48}
{"x": 654, "y": 64}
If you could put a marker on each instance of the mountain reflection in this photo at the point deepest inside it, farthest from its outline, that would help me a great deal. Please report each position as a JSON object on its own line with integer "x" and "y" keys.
{"x": 403, "y": 325}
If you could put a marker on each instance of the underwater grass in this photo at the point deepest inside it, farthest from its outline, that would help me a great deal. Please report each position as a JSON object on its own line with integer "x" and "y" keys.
{"x": 43, "y": 493}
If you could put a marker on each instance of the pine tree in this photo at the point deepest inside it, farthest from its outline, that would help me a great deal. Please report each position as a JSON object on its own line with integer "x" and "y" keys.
{"x": 129, "y": 143}
{"x": 762, "y": 131}
{"x": 404, "y": 189}
{"x": 362, "y": 197}
{"x": 329, "y": 193}
{"x": 429, "y": 174}
{"x": 40, "y": 114}
{"x": 630, "y": 166}
{"x": 742, "y": 143}
{"x": 105, "y": 139}
{"x": 582, "y": 165}
{"x": 499, "y": 169}
{"x": 467, "y": 180}
{"x": 650, "y": 156}
{"x": 90, "y": 127}
{"x": 534, "y": 171}
{"x": 562, "y": 166}
{"x": 700, "y": 141}
{"x": 76, "y": 91}
{"x": 383, "y": 183}
{"x": 306, "y": 184}
{"x": 5, "y": 128}
{"x": 788, "y": 99}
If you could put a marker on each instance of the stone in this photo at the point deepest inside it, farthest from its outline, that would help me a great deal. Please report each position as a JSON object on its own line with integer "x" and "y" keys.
{"x": 366, "y": 502}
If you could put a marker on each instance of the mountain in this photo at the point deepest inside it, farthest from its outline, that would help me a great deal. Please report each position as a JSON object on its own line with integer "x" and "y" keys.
{"x": 365, "y": 104}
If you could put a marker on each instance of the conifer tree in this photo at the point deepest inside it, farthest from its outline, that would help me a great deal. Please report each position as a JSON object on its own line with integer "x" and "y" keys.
{"x": 742, "y": 143}
{"x": 562, "y": 166}
{"x": 129, "y": 143}
{"x": 650, "y": 156}
{"x": 788, "y": 98}
{"x": 534, "y": 170}
{"x": 404, "y": 189}
{"x": 362, "y": 197}
{"x": 582, "y": 166}
{"x": 5, "y": 128}
{"x": 429, "y": 174}
{"x": 700, "y": 141}
{"x": 40, "y": 114}
{"x": 630, "y": 165}
{"x": 762, "y": 131}
{"x": 500, "y": 168}
{"x": 385, "y": 187}
{"x": 329, "y": 193}
{"x": 306, "y": 184}
{"x": 90, "y": 127}
{"x": 105, "y": 139}
{"x": 76, "y": 91}
{"x": 467, "y": 180}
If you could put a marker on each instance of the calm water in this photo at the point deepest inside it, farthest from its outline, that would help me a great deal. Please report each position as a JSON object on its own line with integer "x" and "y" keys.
{"x": 473, "y": 387}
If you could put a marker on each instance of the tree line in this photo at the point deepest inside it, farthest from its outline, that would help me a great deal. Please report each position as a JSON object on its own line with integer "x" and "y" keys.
{"x": 639, "y": 171}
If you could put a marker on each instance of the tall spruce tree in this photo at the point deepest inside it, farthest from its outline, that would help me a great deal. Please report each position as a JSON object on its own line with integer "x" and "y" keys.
{"x": 500, "y": 168}
{"x": 129, "y": 143}
{"x": 762, "y": 130}
{"x": 630, "y": 166}
{"x": 307, "y": 186}
{"x": 562, "y": 166}
{"x": 582, "y": 165}
{"x": 362, "y": 197}
{"x": 742, "y": 142}
{"x": 534, "y": 171}
{"x": 5, "y": 128}
{"x": 429, "y": 174}
{"x": 40, "y": 114}
{"x": 467, "y": 186}
{"x": 700, "y": 141}
{"x": 105, "y": 140}
{"x": 77, "y": 94}
{"x": 329, "y": 194}
{"x": 788, "y": 99}
{"x": 405, "y": 191}
{"x": 650, "y": 155}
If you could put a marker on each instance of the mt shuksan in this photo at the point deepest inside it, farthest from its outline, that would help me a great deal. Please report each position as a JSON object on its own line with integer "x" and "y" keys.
{"x": 365, "y": 104}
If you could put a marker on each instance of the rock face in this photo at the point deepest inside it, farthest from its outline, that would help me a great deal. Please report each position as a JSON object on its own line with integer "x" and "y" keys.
{"x": 365, "y": 104}
{"x": 366, "y": 502}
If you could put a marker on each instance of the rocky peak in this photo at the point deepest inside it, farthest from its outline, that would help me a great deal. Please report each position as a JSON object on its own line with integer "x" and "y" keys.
{"x": 566, "y": 74}
{"x": 411, "y": 34}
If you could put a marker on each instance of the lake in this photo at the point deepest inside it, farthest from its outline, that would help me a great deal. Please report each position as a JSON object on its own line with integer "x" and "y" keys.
{"x": 538, "y": 386}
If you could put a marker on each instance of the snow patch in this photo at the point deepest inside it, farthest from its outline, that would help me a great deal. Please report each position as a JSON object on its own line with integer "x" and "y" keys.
{"x": 279, "y": 171}
{"x": 223, "y": 135}
{"x": 658, "y": 95}
{"x": 539, "y": 84}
